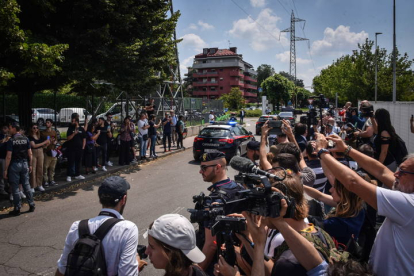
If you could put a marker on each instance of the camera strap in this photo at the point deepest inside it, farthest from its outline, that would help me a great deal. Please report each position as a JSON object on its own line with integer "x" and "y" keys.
{"x": 108, "y": 214}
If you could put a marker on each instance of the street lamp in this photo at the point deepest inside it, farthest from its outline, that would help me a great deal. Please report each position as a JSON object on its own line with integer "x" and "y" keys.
{"x": 376, "y": 65}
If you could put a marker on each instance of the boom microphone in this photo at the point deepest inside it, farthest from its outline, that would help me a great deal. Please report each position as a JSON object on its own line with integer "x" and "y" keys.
{"x": 245, "y": 165}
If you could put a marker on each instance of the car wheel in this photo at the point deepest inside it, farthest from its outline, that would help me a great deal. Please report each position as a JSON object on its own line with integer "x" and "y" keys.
{"x": 40, "y": 122}
{"x": 196, "y": 157}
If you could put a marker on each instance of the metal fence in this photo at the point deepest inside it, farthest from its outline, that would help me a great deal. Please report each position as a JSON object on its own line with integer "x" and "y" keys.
{"x": 400, "y": 118}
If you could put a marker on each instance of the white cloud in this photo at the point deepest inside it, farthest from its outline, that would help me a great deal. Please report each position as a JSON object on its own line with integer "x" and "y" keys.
{"x": 205, "y": 26}
{"x": 188, "y": 62}
{"x": 339, "y": 40}
{"x": 193, "y": 26}
{"x": 257, "y": 3}
{"x": 193, "y": 42}
{"x": 262, "y": 34}
{"x": 285, "y": 58}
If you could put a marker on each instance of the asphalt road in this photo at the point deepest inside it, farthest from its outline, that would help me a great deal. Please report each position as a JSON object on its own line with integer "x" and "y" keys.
{"x": 32, "y": 243}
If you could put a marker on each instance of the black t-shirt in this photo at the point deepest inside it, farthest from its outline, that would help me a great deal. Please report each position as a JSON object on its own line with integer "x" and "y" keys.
{"x": 167, "y": 126}
{"x": 103, "y": 136}
{"x": 150, "y": 112}
{"x": 77, "y": 140}
{"x": 36, "y": 141}
{"x": 288, "y": 268}
{"x": 151, "y": 130}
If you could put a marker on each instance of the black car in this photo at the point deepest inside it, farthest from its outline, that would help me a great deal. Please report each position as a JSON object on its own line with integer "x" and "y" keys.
{"x": 263, "y": 120}
{"x": 229, "y": 139}
{"x": 288, "y": 116}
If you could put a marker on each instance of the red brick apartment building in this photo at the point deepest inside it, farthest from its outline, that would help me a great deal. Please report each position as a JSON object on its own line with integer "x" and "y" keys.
{"x": 216, "y": 71}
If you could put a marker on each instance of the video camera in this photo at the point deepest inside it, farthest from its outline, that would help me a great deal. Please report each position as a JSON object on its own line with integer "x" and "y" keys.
{"x": 228, "y": 224}
{"x": 319, "y": 101}
{"x": 199, "y": 214}
{"x": 367, "y": 111}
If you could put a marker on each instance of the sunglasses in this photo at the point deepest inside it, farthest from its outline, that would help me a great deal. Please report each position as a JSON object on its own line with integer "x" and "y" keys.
{"x": 401, "y": 172}
{"x": 204, "y": 167}
{"x": 34, "y": 127}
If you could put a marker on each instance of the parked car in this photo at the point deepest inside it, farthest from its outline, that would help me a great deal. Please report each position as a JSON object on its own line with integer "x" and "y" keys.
{"x": 65, "y": 115}
{"x": 116, "y": 109}
{"x": 262, "y": 120}
{"x": 289, "y": 116}
{"x": 39, "y": 115}
{"x": 230, "y": 139}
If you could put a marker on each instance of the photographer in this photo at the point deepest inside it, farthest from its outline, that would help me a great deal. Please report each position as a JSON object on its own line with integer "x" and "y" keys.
{"x": 367, "y": 131}
{"x": 172, "y": 246}
{"x": 391, "y": 253}
{"x": 213, "y": 169}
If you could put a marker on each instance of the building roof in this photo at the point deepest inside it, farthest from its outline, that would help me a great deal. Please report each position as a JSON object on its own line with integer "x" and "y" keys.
{"x": 218, "y": 53}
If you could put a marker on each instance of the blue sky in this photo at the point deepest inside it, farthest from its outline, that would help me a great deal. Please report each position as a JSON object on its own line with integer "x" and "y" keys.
{"x": 333, "y": 27}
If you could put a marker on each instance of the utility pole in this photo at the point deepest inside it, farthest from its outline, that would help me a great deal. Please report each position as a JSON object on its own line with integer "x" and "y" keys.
{"x": 394, "y": 60}
{"x": 376, "y": 66}
{"x": 293, "y": 39}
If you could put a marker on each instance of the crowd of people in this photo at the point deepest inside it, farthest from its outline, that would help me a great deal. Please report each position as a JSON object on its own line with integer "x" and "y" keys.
{"x": 88, "y": 147}
{"x": 327, "y": 201}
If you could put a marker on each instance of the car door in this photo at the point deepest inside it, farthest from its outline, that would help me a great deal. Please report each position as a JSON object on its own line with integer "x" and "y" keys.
{"x": 241, "y": 138}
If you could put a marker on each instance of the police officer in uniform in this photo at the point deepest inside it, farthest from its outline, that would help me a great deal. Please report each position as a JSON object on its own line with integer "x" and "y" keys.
{"x": 213, "y": 169}
{"x": 18, "y": 167}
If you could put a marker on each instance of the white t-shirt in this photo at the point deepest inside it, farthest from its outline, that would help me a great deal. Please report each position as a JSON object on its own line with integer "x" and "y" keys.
{"x": 393, "y": 250}
{"x": 211, "y": 117}
{"x": 274, "y": 239}
{"x": 141, "y": 124}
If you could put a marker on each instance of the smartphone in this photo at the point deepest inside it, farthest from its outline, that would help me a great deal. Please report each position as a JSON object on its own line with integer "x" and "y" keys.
{"x": 48, "y": 137}
{"x": 276, "y": 127}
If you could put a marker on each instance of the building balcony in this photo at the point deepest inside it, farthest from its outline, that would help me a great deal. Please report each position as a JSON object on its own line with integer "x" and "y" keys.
{"x": 249, "y": 86}
{"x": 236, "y": 74}
{"x": 206, "y": 93}
{"x": 205, "y": 75}
{"x": 248, "y": 78}
{"x": 251, "y": 72}
{"x": 236, "y": 83}
{"x": 250, "y": 94}
{"x": 205, "y": 83}
{"x": 223, "y": 64}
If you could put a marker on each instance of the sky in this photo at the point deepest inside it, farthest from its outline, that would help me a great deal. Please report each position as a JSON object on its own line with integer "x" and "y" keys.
{"x": 333, "y": 27}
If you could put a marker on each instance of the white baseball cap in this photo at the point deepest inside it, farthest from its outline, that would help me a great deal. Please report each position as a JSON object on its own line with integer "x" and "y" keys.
{"x": 177, "y": 231}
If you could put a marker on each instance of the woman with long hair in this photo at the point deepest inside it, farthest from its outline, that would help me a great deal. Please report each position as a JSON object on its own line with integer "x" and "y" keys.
{"x": 386, "y": 140}
{"x": 37, "y": 144}
{"x": 172, "y": 246}
{"x": 126, "y": 142}
{"x": 90, "y": 160}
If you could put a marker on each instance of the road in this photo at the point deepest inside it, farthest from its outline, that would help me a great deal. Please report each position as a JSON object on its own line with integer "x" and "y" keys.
{"x": 32, "y": 243}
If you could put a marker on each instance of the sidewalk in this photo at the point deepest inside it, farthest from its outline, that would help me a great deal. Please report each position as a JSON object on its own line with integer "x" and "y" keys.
{"x": 60, "y": 176}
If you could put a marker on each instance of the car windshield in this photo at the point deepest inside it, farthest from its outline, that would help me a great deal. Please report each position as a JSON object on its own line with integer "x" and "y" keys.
{"x": 286, "y": 114}
{"x": 214, "y": 132}
{"x": 264, "y": 119}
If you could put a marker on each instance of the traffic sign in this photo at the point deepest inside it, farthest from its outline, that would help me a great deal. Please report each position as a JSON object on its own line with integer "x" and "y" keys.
{"x": 310, "y": 101}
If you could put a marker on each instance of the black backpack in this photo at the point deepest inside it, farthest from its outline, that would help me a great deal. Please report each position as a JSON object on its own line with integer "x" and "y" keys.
{"x": 88, "y": 257}
{"x": 400, "y": 150}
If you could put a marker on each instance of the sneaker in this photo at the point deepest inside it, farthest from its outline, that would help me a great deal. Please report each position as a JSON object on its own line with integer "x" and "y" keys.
{"x": 53, "y": 183}
{"x": 15, "y": 212}
{"x": 3, "y": 192}
{"x": 11, "y": 197}
{"x": 22, "y": 195}
{"x": 79, "y": 177}
{"x": 134, "y": 161}
{"x": 68, "y": 179}
{"x": 41, "y": 188}
{"x": 104, "y": 169}
{"x": 31, "y": 208}
{"x": 95, "y": 169}
{"x": 32, "y": 190}
{"x": 46, "y": 184}
{"x": 109, "y": 164}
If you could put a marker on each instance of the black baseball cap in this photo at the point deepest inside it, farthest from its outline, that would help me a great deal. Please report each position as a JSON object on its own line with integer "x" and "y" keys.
{"x": 253, "y": 145}
{"x": 114, "y": 186}
{"x": 206, "y": 157}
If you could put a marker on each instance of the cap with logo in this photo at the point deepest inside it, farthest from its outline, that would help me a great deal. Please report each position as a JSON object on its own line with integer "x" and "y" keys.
{"x": 176, "y": 231}
{"x": 206, "y": 157}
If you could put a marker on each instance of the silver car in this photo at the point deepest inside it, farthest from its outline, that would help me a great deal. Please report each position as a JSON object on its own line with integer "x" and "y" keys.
{"x": 39, "y": 115}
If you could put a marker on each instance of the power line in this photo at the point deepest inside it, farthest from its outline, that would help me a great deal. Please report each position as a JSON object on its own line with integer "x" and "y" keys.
{"x": 283, "y": 6}
{"x": 255, "y": 21}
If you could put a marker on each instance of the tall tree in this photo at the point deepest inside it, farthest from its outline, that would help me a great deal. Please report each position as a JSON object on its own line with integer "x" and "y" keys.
{"x": 263, "y": 72}
{"x": 298, "y": 82}
{"x": 278, "y": 88}
{"x": 234, "y": 100}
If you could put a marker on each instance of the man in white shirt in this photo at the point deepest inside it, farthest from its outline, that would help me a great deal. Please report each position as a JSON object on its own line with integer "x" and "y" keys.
{"x": 174, "y": 120}
{"x": 143, "y": 127}
{"x": 211, "y": 117}
{"x": 393, "y": 250}
{"x": 120, "y": 243}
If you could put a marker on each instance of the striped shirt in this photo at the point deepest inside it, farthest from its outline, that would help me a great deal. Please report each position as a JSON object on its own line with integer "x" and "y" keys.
{"x": 321, "y": 179}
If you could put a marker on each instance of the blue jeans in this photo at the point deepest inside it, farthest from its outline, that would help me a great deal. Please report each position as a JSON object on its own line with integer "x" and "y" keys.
{"x": 19, "y": 174}
{"x": 142, "y": 147}
{"x": 153, "y": 142}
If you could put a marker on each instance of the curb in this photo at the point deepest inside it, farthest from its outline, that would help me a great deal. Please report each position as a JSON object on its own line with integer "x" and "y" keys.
{"x": 6, "y": 203}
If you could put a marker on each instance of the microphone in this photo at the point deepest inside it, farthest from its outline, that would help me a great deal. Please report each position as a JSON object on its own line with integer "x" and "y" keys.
{"x": 245, "y": 165}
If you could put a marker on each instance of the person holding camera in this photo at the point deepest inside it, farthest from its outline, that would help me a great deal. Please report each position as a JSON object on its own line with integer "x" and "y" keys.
{"x": 143, "y": 127}
{"x": 172, "y": 246}
{"x": 213, "y": 169}
{"x": 166, "y": 132}
{"x": 366, "y": 134}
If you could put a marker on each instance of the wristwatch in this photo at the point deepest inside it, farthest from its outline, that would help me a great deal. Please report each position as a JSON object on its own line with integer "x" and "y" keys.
{"x": 321, "y": 151}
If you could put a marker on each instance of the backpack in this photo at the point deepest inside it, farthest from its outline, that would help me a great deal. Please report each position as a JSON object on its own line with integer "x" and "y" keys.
{"x": 88, "y": 257}
{"x": 323, "y": 242}
{"x": 400, "y": 150}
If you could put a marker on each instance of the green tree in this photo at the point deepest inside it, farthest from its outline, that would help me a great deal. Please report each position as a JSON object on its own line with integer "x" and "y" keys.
{"x": 263, "y": 72}
{"x": 233, "y": 100}
{"x": 278, "y": 89}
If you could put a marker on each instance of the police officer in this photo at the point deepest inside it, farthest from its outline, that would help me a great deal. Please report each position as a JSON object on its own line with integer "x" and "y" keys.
{"x": 18, "y": 167}
{"x": 213, "y": 169}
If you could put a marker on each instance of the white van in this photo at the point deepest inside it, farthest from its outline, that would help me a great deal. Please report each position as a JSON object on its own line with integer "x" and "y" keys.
{"x": 116, "y": 109}
{"x": 65, "y": 115}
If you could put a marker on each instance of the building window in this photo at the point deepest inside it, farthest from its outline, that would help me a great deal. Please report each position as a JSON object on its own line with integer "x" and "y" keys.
{"x": 204, "y": 61}
{"x": 204, "y": 88}
{"x": 221, "y": 70}
{"x": 213, "y": 70}
{"x": 212, "y": 88}
{"x": 205, "y": 80}
{"x": 213, "y": 79}
{"x": 221, "y": 79}
{"x": 221, "y": 87}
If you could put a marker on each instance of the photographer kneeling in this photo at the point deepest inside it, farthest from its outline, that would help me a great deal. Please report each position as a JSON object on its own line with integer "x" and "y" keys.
{"x": 172, "y": 246}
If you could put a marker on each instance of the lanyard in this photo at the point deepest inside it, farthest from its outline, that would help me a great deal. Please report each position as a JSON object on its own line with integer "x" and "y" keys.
{"x": 109, "y": 214}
